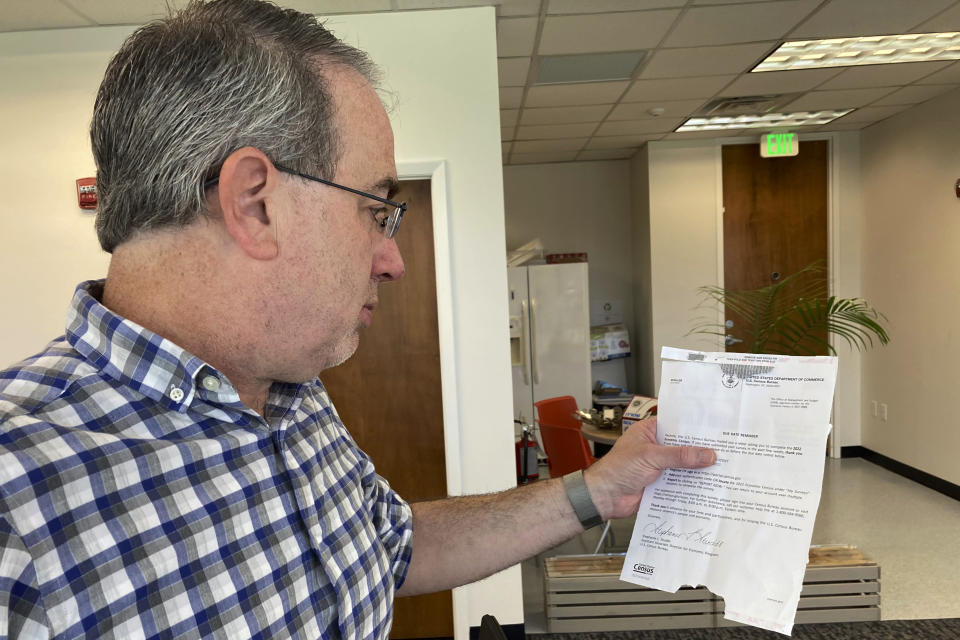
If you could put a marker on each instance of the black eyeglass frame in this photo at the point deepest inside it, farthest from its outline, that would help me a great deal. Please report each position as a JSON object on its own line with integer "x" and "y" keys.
{"x": 388, "y": 226}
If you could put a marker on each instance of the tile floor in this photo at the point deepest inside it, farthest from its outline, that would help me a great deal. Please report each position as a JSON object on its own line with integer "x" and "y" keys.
{"x": 911, "y": 531}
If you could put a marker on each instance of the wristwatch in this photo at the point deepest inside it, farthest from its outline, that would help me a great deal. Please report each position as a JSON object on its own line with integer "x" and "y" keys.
{"x": 579, "y": 497}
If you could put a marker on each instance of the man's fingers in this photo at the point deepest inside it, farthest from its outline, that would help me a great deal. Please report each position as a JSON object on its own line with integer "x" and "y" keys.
{"x": 684, "y": 457}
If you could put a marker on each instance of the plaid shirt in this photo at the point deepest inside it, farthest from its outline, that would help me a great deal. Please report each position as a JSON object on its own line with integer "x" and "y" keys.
{"x": 139, "y": 498}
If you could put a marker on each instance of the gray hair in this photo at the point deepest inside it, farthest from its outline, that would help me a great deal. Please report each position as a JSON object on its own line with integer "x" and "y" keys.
{"x": 183, "y": 93}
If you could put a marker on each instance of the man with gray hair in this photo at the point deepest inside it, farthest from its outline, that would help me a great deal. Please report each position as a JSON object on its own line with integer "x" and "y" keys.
{"x": 172, "y": 466}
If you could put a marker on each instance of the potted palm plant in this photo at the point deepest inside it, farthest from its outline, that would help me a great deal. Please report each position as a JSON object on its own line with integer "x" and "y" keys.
{"x": 793, "y": 316}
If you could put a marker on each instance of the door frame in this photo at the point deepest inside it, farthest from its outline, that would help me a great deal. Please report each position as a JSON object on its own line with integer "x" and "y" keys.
{"x": 833, "y": 237}
{"x": 436, "y": 172}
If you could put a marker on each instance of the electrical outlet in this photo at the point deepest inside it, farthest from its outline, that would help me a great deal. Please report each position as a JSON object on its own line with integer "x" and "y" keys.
{"x": 883, "y": 411}
{"x": 873, "y": 408}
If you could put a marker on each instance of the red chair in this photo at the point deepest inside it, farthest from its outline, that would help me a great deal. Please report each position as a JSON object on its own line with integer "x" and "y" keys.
{"x": 566, "y": 448}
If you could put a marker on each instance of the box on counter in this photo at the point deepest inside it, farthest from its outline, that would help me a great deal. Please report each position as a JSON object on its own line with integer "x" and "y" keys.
{"x": 609, "y": 341}
{"x": 640, "y": 407}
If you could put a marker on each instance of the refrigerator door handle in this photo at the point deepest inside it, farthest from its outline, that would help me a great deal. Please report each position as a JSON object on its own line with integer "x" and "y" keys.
{"x": 534, "y": 354}
{"x": 524, "y": 341}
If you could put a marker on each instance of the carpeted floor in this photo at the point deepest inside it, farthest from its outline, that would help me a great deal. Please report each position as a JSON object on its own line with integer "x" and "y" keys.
{"x": 939, "y": 629}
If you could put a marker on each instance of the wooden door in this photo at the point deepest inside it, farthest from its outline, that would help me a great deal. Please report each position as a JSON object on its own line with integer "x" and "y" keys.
{"x": 390, "y": 398}
{"x": 775, "y": 219}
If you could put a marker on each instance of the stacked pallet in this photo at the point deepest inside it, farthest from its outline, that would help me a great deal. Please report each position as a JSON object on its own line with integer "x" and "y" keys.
{"x": 584, "y": 593}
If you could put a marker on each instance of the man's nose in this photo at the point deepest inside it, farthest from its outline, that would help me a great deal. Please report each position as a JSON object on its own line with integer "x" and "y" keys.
{"x": 388, "y": 263}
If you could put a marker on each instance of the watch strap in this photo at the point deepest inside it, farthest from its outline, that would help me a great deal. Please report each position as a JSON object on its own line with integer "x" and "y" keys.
{"x": 579, "y": 496}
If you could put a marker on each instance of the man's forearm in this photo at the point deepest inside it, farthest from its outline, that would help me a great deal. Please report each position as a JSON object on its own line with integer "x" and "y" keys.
{"x": 461, "y": 540}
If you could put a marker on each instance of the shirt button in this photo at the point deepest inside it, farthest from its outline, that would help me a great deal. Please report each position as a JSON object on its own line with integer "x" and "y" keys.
{"x": 176, "y": 394}
{"x": 211, "y": 383}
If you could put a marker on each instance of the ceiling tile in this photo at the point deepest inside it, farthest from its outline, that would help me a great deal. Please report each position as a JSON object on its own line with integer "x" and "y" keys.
{"x": 676, "y": 88}
{"x": 565, "y": 115}
{"x": 507, "y": 133}
{"x": 515, "y": 36}
{"x": 700, "y": 61}
{"x": 913, "y": 94}
{"x": 732, "y": 24}
{"x": 603, "y": 6}
{"x": 869, "y": 114}
{"x": 818, "y": 100}
{"x": 883, "y": 75}
{"x": 329, "y": 7}
{"x": 511, "y": 97}
{"x": 508, "y": 117}
{"x": 513, "y": 71}
{"x": 606, "y": 154}
{"x": 619, "y": 142}
{"x": 949, "y": 20}
{"x": 505, "y": 7}
{"x": 750, "y": 84}
{"x": 39, "y": 14}
{"x": 641, "y": 110}
{"x": 544, "y": 132}
{"x": 556, "y": 95}
{"x": 639, "y": 127}
{"x": 537, "y": 146}
{"x": 696, "y": 2}
{"x": 121, "y": 11}
{"x": 542, "y": 158}
{"x": 505, "y": 147}
{"x": 840, "y": 126}
{"x": 605, "y": 31}
{"x": 518, "y": 7}
{"x": 846, "y": 18}
{"x": 950, "y": 75}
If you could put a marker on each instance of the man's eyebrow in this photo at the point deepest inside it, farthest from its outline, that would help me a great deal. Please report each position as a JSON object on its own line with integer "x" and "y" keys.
{"x": 392, "y": 185}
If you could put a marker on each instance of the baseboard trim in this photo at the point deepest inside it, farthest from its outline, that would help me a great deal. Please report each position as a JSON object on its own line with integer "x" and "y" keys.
{"x": 852, "y": 452}
{"x": 512, "y": 631}
{"x": 921, "y": 477}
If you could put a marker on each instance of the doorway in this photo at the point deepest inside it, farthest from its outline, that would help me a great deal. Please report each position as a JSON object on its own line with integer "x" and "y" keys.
{"x": 775, "y": 221}
{"x": 389, "y": 393}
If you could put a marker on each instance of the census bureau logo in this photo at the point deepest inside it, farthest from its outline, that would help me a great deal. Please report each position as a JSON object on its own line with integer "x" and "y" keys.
{"x": 730, "y": 380}
{"x": 643, "y": 568}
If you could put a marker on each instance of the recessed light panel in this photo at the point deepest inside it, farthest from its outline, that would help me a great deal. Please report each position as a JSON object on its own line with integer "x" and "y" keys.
{"x": 762, "y": 121}
{"x": 849, "y": 52}
{"x": 590, "y": 67}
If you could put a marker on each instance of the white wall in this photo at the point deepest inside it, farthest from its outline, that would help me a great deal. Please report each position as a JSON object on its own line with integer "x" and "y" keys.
{"x": 578, "y": 207}
{"x": 911, "y": 271}
{"x": 685, "y": 199}
{"x": 447, "y": 109}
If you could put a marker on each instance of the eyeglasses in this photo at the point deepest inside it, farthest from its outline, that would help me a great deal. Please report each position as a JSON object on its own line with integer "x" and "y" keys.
{"x": 388, "y": 223}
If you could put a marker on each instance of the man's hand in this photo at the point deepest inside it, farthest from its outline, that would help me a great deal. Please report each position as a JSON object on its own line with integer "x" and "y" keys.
{"x": 616, "y": 482}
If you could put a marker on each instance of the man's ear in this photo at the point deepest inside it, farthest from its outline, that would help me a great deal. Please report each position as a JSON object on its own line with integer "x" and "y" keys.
{"x": 247, "y": 180}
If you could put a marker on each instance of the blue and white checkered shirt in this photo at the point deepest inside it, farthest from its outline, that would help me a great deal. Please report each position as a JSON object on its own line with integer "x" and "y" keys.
{"x": 139, "y": 498}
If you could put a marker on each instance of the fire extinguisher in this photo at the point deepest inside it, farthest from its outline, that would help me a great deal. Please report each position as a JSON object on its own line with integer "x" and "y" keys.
{"x": 526, "y": 457}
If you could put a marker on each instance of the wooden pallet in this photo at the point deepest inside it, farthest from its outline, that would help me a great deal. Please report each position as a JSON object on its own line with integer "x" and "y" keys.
{"x": 584, "y": 593}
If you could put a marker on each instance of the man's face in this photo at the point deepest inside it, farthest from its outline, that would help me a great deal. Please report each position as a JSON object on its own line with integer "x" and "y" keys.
{"x": 337, "y": 254}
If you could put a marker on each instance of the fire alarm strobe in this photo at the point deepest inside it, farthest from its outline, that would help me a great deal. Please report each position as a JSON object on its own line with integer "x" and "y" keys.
{"x": 87, "y": 193}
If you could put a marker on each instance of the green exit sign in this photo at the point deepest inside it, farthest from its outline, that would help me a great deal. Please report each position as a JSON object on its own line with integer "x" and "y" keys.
{"x": 778, "y": 145}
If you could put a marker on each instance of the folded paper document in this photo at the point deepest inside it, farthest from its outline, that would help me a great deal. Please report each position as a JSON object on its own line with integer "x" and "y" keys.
{"x": 742, "y": 527}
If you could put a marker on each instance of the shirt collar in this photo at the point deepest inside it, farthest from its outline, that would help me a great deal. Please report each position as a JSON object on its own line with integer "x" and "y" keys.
{"x": 130, "y": 354}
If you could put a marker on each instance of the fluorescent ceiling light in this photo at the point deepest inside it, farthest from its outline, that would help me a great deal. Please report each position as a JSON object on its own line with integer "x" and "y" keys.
{"x": 848, "y": 52}
{"x": 761, "y": 121}
{"x": 589, "y": 67}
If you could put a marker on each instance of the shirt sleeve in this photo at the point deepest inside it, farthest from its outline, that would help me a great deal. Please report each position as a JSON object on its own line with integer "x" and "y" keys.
{"x": 21, "y": 607}
{"x": 393, "y": 519}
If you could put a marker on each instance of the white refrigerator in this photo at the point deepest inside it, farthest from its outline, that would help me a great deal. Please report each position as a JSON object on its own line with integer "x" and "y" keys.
{"x": 549, "y": 335}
